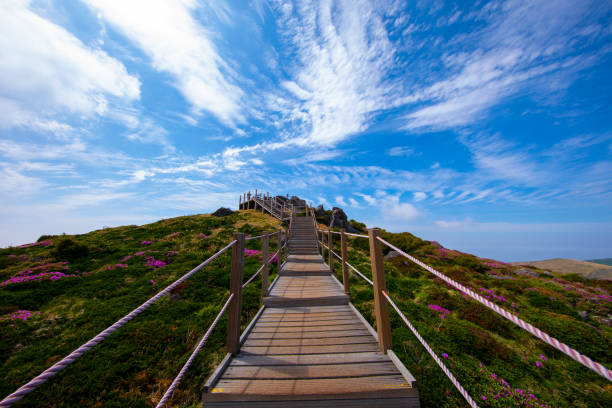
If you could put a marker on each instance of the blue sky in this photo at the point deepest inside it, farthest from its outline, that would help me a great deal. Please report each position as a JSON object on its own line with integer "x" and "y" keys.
{"x": 483, "y": 125}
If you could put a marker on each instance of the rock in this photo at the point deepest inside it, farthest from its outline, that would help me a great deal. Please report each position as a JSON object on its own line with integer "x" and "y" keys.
{"x": 525, "y": 271}
{"x": 584, "y": 315}
{"x": 320, "y": 211}
{"x": 340, "y": 220}
{"x": 222, "y": 212}
{"x": 391, "y": 254}
{"x": 297, "y": 201}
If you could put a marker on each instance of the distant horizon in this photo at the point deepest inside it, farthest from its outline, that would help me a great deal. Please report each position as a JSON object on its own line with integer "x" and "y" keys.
{"x": 484, "y": 126}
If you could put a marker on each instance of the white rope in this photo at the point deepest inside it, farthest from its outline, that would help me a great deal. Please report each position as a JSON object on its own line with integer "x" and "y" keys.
{"x": 349, "y": 265}
{"x": 581, "y": 358}
{"x": 178, "y": 378}
{"x": 432, "y": 354}
{"x": 70, "y": 358}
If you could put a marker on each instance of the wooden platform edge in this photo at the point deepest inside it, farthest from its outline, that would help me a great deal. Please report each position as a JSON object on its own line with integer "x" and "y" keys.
{"x": 364, "y": 321}
{"x": 218, "y": 372}
{"x": 248, "y": 329}
{"x": 402, "y": 369}
{"x": 214, "y": 377}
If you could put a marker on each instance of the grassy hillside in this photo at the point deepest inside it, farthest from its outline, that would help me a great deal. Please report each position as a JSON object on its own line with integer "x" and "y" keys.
{"x": 57, "y": 294}
{"x": 586, "y": 269}
{"x": 491, "y": 357}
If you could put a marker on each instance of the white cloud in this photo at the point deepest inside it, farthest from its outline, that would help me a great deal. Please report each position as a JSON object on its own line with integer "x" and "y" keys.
{"x": 454, "y": 223}
{"x": 354, "y": 203}
{"x": 44, "y": 70}
{"x": 524, "y": 46}
{"x": 340, "y": 201}
{"x": 400, "y": 151}
{"x": 419, "y": 196}
{"x": 338, "y": 78}
{"x": 169, "y": 34}
{"x": 401, "y": 211}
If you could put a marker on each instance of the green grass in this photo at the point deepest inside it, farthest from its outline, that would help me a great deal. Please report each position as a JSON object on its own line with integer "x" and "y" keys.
{"x": 483, "y": 347}
{"x": 135, "y": 365}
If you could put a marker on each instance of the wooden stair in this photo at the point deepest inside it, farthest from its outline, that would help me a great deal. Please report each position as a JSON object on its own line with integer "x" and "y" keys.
{"x": 309, "y": 347}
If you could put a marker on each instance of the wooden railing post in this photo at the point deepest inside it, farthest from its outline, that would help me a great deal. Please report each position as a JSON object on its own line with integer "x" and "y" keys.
{"x": 264, "y": 271}
{"x": 280, "y": 251}
{"x": 383, "y": 326}
{"x": 235, "y": 307}
{"x": 345, "y": 273}
{"x": 330, "y": 256}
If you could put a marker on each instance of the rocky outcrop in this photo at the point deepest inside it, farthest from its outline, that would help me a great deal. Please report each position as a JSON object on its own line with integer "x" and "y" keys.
{"x": 222, "y": 212}
{"x": 338, "y": 219}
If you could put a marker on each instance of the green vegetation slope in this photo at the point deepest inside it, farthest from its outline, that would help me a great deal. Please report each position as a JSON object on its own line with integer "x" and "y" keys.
{"x": 60, "y": 292}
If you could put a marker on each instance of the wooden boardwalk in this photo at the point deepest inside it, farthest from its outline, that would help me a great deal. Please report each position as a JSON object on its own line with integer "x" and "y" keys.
{"x": 308, "y": 346}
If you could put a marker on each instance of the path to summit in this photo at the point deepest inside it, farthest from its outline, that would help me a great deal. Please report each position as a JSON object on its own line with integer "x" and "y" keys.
{"x": 307, "y": 346}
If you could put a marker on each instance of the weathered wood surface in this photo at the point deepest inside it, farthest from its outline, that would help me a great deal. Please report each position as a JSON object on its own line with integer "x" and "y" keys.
{"x": 309, "y": 347}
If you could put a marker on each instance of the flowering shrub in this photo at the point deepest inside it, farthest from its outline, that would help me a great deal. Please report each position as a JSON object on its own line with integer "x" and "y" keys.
{"x": 18, "y": 315}
{"x": 500, "y": 394}
{"x": 252, "y": 252}
{"x": 444, "y": 312}
{"x": 40, "y": 273}
{"x": 146, "y": 242}
{"x": 41, "y": 243}
{"x": 155, "y": 263}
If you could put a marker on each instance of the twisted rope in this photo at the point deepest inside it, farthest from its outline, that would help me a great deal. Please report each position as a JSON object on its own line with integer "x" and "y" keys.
{"x": 178, "y": 378}
{"x": 581, "y": 358}
{"x": 347, "y": 233}
{"x": 54, "y": 369}
{"x": 253, "y": 277}
{"x": 432, "y": 353}
{"x": 349, "y": 265}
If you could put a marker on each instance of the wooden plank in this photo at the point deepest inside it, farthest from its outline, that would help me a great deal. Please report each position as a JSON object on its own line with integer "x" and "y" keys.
{"x": 344, "y": 348}
{"x": 309, "y": 323}
{"x": 328, "y": 341}
{"x": 411, "y": 401}
{"x": 310, "y": 371}
{"x": 310, "y": 335}
{"x": 309, "y": 359}
{"x": 307, "y": 329}
{"x": 328, "y": 388}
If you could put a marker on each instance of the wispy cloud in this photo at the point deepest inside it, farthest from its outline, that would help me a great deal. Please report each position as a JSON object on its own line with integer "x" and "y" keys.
{"x": 524, "y": 46}
{"x": 338, "y": 79}
{"x": 47, "y": 70}
{"x": 401, "y": 151}
{"x": 170, "y": 35}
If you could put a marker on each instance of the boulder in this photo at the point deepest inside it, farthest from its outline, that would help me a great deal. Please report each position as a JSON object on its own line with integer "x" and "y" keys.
{"x": 222, "y": 212}
{"x": 340, "y": 220}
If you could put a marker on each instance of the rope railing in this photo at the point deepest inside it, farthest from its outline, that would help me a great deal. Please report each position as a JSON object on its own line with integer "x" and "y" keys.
{"x": 57, "y": 367}
{"x": 450, "y": 375}
{"x": 345, "y": 233}
{"x": 349, "y": 265}
{"x": 178, "y": 378}
{"x": 564, "y": 348}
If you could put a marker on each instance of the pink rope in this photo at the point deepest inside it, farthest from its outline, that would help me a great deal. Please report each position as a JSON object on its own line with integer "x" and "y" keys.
{"x": 581, "y": 358}
{"x": 349, "y": 265}
{"x": 258, "y": 271}
{"x": 70, "y": 358}
{"x": 178, "y": 378}
{"x": 432, "y": 354}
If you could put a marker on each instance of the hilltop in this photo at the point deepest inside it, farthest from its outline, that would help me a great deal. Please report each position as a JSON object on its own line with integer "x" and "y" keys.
{"x": 57, "y": 293}
{"x": 585, "y": 269}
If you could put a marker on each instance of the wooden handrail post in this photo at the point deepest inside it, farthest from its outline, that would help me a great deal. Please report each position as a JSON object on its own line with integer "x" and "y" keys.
{"x": 235, "y": 307}
{"x": 383, "y": 326}
{"x": 264, "y": 271}
{"x": 345, "y": 272}
{"x": 330, "y": 256}
{"x": 280, "y": 251}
